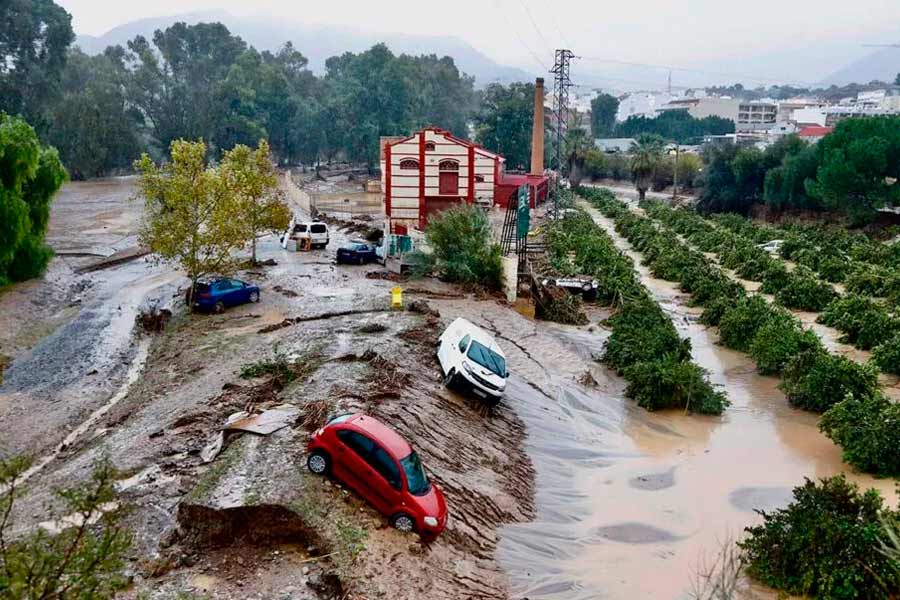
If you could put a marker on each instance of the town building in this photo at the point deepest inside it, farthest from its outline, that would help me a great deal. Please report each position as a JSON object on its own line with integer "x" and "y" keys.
{"x": 433, "y": 170}
{"x": 614, "y": 145}
{"x": 814, "y": 133}
{"x": 756, "y": 116}
{"x": 700, "y": 108}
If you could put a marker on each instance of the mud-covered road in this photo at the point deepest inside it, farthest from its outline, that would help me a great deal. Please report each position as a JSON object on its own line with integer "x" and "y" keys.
{"x": 567, "y": 491}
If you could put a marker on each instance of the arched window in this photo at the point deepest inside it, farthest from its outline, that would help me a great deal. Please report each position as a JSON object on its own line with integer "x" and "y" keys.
{"x": 448, "y": 165}
{"x": 409, "y": 164}
{"x": 429, "y": 146}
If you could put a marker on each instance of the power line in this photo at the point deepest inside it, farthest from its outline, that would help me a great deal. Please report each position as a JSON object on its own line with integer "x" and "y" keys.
{"x": 534, "y": 24}
{"x": 558, "y": 28}
{"x": 519, "y": 37}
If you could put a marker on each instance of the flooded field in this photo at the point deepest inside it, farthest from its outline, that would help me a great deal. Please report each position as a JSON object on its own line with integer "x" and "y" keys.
{"x": 623, "y": 504}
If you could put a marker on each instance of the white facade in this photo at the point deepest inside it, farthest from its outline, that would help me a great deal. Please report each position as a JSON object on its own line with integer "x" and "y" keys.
{"x": 432, "y": 170}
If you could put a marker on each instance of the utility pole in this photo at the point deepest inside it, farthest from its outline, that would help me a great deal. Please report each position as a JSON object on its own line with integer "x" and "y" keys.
{"x": 561, "y": 84}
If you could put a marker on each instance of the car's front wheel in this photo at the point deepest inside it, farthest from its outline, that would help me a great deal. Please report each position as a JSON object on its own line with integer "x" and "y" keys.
{"x": 450, "y": 377}
{"x": 318, "y": 462}
{"x": 219, "y": 308}
{"x": 403, "y": 522}
{"x": 254, "y": 297}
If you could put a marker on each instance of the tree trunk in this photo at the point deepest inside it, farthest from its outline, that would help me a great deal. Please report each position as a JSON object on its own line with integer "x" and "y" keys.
{"x": 253, "y": 251}
{"x": 641, "y": 193}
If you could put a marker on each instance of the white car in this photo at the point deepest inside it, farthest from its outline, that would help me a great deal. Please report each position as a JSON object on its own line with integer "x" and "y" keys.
{"x": 316, "y": 232}
{"x": 470, "y": 358}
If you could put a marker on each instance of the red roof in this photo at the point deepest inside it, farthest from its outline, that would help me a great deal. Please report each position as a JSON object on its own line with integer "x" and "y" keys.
{"x": 815, "y": 131}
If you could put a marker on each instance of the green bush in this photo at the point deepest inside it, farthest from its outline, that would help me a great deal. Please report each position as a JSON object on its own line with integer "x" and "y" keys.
{"x": 673, "y": 383}
{"x": 824, "y": 544}
{"x": 834, "y": 268}
{"x": 805, "y": 292}
{"x": 642, "y": 332}
{"x": 742, "y": 320}
{"x": 887, "y": 355}
{"x": 816, "y": 380}
{"x": 779, "y": 340}
{"x": 868, "y": 429}
{"x": 867, "y": 280}
{"x": 775, "y": 278}
{"x": 461, "y": 240}
{"x": 864, "y": 322}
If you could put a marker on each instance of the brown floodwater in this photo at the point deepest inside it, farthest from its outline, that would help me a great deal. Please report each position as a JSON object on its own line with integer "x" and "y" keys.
{"x": 631, "y": 502}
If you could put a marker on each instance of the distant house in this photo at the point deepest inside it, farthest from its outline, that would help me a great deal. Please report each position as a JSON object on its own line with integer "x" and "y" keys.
{"x": 814, "y": 133}
{"x": 613, "y": 145}
{"x": 433, "y": 170}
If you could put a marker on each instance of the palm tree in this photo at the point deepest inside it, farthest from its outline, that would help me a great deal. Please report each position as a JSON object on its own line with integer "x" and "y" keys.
{"x": 577, "y": 143}
{"x": 646, "y": 154}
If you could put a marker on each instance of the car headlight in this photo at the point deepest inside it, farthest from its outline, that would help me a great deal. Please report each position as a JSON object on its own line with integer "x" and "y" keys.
{"x": 431, "y": 521}
{"x": 320, "y": 431}
{"x": 467, "y": 367}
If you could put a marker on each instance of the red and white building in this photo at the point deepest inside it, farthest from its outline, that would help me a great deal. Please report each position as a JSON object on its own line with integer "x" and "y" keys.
{"x": 432, "y": 170}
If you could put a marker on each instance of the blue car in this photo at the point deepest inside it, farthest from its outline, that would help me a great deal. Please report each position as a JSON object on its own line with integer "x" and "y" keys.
{"x": 357, "y": 253}
{"x": 216, "y": 295}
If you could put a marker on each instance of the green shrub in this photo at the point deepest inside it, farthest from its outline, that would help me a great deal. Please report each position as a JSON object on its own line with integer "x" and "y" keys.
{"x": 834, "y": 268}
{"x": 887, "y": 355}
{"x": 824, "y": 544}
{"x": 779, "y": 340}
{"x": 867, "y": 280}
{"x": 864, "y": 322}
{"x": 868, "y": 429}
{"x": 642, "y": 332}
{"x": 740, "y": 322}
{"x": 775, "y": 278}
{"x": 816, "y": 380}
{"x": 805, "y": 292}
{"x": 461, "y": 240}
{"x": 672, "y": 383}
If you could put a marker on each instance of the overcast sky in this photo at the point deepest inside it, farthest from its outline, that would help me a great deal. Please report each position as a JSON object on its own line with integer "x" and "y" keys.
{"x": 775, "y": 35}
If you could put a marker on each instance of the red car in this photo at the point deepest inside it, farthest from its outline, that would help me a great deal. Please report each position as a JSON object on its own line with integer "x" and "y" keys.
{"x": 372, "y": 459}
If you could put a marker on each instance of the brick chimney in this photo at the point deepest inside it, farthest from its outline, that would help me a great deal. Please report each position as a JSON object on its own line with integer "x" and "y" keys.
{"x": 537, "y": 131}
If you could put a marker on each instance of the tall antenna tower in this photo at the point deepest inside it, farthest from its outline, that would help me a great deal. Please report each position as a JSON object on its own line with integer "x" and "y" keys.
{"x": 561, "y": 84}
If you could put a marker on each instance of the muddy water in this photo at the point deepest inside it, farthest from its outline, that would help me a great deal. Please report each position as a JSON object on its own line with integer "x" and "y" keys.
{"x": 630, "y": 502}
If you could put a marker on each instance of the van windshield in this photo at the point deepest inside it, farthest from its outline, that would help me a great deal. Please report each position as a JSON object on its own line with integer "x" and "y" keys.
{"x": 487, "y": 358}
{"x": 416, "y": 479}
{"x": 318, "y": 228}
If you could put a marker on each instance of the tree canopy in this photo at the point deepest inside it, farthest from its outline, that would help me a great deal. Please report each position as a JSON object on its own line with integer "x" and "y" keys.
{"x": 675, "y": 125}
{"x": 603, "y": 115}
{"x": 30, "y": 175}
{"x": 504, "y": 122}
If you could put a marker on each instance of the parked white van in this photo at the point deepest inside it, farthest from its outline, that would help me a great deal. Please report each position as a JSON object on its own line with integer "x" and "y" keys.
{"x": 470, "y": 358}
{"x": 316, "y": 232}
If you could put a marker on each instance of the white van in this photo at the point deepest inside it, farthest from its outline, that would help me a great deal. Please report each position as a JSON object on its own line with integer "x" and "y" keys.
{"x": 315, "y": 231}
{"x": 470, "y": 358}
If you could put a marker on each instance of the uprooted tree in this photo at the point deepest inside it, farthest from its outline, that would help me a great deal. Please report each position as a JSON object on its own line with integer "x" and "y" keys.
{"x": 81, "y": 554}
{"x": 191, "y": 218}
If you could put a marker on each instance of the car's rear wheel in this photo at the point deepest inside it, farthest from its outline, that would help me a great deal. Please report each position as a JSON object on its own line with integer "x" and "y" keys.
{"x": 318, "y": 462}
{"x": 219, "y": 308}
{"x": 254, "y": 296}
{"x": 403, "y": 522}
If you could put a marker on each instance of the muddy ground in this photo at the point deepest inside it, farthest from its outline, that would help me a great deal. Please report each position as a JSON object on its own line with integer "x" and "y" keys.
{"x": 566, "y": 491}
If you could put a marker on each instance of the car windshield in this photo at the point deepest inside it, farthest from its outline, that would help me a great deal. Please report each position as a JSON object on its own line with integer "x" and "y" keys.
{"x": 319, "y": 228}
{"x": 349, "y": 246}
{"x": 487, "y": 358}
{"x": 416, "y": 478}
{"x": 300, "y": 228}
